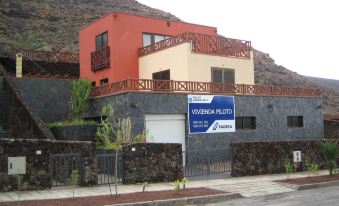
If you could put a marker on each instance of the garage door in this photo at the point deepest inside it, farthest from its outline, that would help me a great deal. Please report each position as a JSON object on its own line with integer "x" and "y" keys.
{"x": 166, "y": 128}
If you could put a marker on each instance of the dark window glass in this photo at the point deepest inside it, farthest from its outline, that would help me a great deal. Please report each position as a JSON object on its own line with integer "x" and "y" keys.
{"x": 223, "y": 76}
{"x": 243, "y": 123}
{"x": 104, "y": 81}
{"x": 295, "y": 121}
{"x": 101, "y": 41}
{"x": 163, "y": 75}
{"x": 93, "y": 84}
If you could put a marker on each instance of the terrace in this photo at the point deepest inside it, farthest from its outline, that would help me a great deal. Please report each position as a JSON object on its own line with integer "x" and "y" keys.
{"x": 204, "y": 44}
{"x": 170, "y": 86}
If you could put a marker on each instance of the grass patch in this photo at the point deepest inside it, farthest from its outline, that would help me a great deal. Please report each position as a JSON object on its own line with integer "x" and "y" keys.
{"x": 71, "y": 123}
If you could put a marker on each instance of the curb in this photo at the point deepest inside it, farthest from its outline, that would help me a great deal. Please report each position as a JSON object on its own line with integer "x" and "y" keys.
{"x": 186, "y": 200}
{"x": 318, "y": 185}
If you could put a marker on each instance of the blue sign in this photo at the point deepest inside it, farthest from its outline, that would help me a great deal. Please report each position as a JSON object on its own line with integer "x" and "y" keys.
{"x": 211, "y": 114}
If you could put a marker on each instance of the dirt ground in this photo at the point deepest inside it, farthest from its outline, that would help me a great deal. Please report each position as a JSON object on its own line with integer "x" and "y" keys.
{"x": 123, "y": 198}
{"x": 311, "y": 179}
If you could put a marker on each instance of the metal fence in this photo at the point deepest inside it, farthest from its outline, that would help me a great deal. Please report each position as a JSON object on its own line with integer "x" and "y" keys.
{"x": 106, "y": 168}
{"x": 205, "y": 162}
{"x": 61, "y": 167}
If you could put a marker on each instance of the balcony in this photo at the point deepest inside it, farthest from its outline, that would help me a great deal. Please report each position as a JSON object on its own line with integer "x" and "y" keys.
{"x": 184, "y": 87}
{"x": 204, "y": 44}
{"x": 100, "y": 59}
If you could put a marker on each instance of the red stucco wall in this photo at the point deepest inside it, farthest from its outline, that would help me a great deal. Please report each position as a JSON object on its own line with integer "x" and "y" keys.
{"x": 125, "y": 38}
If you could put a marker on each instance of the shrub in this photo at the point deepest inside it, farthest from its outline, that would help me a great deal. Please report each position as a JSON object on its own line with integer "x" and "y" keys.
{"x": 312, "y": 167}
{"x": 184, "y": 182}
{"x": 74, "y": 179}
{"x": 288, "y": 167}
{"x": 81, "y": 91}
{"x": 331, "y": 152}
{"x": 177, "y": 186}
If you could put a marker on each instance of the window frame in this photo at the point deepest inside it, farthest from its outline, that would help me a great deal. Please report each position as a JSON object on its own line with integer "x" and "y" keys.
{"x": 104, "y": 81}
{"x": 101, "y": 40}
{"x": 252, "y": 121}
{"x": 152, "y": 38}
{"x": 223, "y": 71}
{"x": 295, "y": 121}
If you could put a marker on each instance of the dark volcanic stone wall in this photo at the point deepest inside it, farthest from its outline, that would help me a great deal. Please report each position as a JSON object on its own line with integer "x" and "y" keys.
{"x": 2, "y": 106}
{"x": 38, "y": 166}
{"x": 48, "y": 98}
{"x": 20, "y": 117}
{"x": 331, "y": 129}
{"x": 153, "y": 162}
{"x": 270, "y": 112}
{"x": 258, "y": 158}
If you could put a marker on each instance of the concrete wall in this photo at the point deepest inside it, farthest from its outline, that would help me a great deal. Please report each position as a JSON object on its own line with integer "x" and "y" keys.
{"x": 185, "y": 65}
{"x": 270, "y": 112}
{"x": 49, "y": 98}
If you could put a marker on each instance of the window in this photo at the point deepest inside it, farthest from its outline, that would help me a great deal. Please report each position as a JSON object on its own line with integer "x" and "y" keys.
{"x": 148, "y": 39}
{"x": 243, "y": 123}
{"x": 104, "y": 81}
{"x": 93, "y": 84}
{"x": 295, "y": 121}
{"x": 163, "y": 75}
{"x": 222, "y": 76}
{"x": 101, "y": 41}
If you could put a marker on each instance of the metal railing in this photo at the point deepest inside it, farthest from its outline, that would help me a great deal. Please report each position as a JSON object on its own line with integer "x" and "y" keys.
{"x": 205, "y": 44}
{"x": 106, "y": 168}
{"x": 149, "y": 85}
{"x": 206, "y": 162}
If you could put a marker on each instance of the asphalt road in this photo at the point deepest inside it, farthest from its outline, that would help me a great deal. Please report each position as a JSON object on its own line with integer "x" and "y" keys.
{"x": 328, "y": 196}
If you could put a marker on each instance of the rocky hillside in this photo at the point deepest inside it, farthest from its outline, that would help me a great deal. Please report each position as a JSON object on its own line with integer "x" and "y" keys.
{"x": 54, "y": 25}
{"x": 269, "y": 73}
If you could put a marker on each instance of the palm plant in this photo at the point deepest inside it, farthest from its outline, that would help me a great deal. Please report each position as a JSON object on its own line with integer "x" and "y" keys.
{"x": 331, "y": 152}
{"x": 81, "y": 91}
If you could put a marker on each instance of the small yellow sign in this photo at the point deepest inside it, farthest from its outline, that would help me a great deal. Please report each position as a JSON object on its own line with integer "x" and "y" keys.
{"x": 19, "y": 65}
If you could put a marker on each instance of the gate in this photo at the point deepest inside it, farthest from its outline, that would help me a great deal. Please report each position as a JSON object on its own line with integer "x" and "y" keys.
{"x": 61, "y": 167}
{"x": 205, "y": 162}
{"x": 106, "y": 168}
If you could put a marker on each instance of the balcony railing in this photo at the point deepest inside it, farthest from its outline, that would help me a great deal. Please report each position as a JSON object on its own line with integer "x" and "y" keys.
{"x": 47, "y": 56}
{"x": 148, "y": 85}
{"x": 100, "y": 59}
{"x": 205, "y": 44}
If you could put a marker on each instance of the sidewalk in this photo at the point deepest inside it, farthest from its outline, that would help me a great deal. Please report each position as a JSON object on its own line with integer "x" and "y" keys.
{"x": 247, "y": 186}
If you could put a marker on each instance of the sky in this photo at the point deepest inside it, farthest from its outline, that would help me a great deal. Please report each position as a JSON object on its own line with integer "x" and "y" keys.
{"x": 301, "y": 35}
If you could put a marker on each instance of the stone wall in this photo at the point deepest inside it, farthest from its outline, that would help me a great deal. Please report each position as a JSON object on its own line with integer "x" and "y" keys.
{"x": 258, "y": 158}
{"x": 48, "y": 98}
{"x": 38, "y": 166}
{"x": 152, "y": 162}
{"x": 2, "y": 105}
{"x": 270, "y": 112}
{"x": 331, "y": 129}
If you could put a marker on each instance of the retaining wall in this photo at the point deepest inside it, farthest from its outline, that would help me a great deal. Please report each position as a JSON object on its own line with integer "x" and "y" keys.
{"x": 258, "y": 158}
{"x": 38, "y": 174}
{"x": 331, "y": 129}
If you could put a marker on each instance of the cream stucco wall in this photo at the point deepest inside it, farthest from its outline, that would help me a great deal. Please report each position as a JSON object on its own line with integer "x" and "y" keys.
{"x": 174, "y": 58}
{"x": 185, "y": 65}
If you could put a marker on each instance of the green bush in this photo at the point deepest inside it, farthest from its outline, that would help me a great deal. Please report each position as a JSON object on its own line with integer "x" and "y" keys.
{"x": 288, "y": 167}
{"x": 81, "y": 91}
{"x": 331, "y": 152}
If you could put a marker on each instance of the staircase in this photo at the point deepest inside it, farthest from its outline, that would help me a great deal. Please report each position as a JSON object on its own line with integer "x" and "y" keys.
{"x": 39, "y": 64}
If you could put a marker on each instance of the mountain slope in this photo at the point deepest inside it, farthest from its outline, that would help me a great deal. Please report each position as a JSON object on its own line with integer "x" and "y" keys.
{"x": 54, "y": 24}
{"x": 269, "y": 73}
